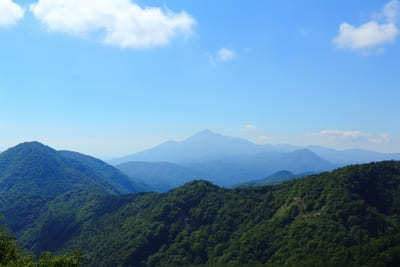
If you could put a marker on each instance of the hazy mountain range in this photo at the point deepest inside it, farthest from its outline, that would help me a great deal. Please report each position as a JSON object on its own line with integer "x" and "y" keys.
{"x": 207, "y": 146}
{"x": 203, "y": 146}
{"x": 228, "y": 161}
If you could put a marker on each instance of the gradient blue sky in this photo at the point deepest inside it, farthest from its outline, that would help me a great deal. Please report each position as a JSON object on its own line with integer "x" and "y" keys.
{"x": 268, "y": 71}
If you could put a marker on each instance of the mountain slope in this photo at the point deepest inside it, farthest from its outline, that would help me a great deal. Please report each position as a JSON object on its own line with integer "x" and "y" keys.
{"x": 114, "y": 176}
{"x": 161, "y": 176}
{"x": 31, "y": 174}
{"x": 349, "y": 217}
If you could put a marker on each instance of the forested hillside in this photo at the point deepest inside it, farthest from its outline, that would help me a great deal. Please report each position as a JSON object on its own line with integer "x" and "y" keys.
{"x": 348, "y": 217}
{"x": 32, "y": 174}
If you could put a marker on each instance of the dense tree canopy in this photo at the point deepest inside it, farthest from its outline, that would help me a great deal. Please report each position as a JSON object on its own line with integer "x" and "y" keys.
{"x": 348, "y": 217}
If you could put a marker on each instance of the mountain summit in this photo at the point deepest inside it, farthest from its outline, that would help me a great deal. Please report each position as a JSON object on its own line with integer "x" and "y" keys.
{"x": 202, "y": 145}
{"x": 203, "y": 135}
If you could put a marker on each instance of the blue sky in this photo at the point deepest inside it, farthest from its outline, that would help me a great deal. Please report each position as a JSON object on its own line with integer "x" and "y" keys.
{"x": 85, "y": 77}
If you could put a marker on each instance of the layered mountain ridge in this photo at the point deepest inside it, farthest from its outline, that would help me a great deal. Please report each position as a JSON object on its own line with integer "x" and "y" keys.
{"x": 207, "y": 146}
{"x": 228, "y": 161}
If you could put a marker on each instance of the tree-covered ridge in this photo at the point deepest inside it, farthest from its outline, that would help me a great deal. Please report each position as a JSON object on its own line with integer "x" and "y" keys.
{"x": 33, "y": 167}
{"x": 348, "y": 217}
{"x": 32, "y": 174}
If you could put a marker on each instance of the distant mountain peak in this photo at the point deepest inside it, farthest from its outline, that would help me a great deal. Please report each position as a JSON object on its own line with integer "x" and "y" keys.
{"x": 204, "y": 145}
{"x": 205, "y": 134}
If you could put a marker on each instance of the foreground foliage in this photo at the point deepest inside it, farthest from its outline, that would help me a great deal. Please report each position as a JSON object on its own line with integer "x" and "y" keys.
{"x": 11, "y": 255}
{"x": 349, "y": 217}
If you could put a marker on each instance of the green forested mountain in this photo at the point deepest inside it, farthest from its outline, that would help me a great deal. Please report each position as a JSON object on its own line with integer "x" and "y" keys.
{"x": 222, "y": 160}
{"x": 32, "y": 174}
{"x": 348, "y": 217}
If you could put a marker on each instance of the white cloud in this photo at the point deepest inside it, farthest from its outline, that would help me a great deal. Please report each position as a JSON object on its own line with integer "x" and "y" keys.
{"x": 10, "y": 13}
{"x": 352, "y": 136}
{"x": 123, "y": 23}
{"x": 250, "y": 127}
{"x": 373, "y": 33}
{"x": 367, "y": 35}
{"x": 225, "y": 54}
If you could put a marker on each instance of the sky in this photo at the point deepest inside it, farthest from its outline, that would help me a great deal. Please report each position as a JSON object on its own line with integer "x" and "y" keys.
{"x": 113, "y": 77}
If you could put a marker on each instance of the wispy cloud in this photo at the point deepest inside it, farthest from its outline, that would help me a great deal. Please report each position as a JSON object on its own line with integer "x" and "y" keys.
{"x": 10, "y": 13}
{"x": 122, "y": 23}
{"x": 225, "y": 54}
{"x": 222, "y": 55}
{"x": 391, "y": 11}
{"x": 352, "y": 136}
{"x": 381, "y": 30}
